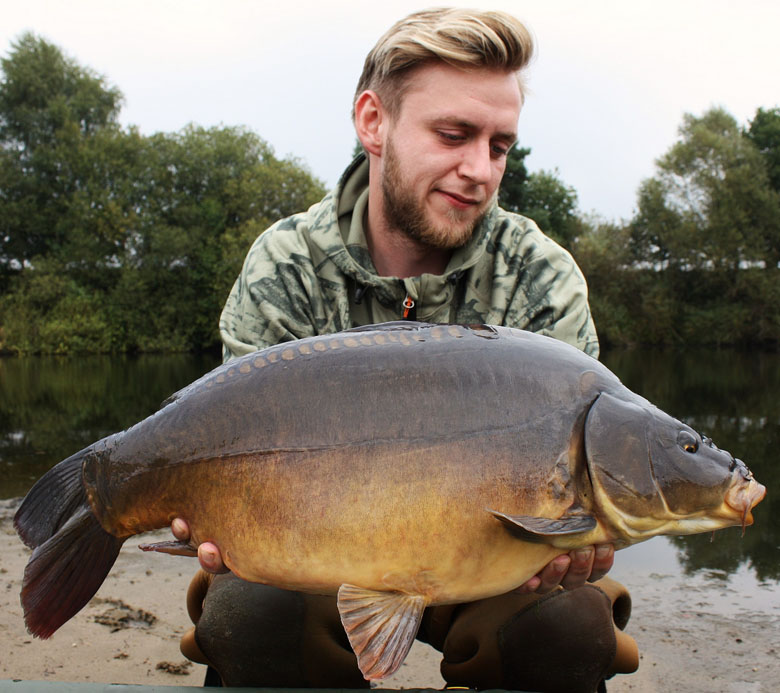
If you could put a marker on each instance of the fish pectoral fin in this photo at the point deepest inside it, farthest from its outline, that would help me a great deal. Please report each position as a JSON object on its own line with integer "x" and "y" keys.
{"x": 381, "y": 627}
{"x": 542, "y": 529}
{"x": 175, "y": 548}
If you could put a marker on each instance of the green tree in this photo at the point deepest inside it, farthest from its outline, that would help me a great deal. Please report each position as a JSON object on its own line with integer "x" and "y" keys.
{"x": 542, "y": 196}
{"x": 55, "y": 116}
{"x": 710, "y": 205}
{"x": 764, "y": 132}
{"x": 553, "y": 205}
{"x": 629, "y": 305}
{"x": 207, "y": 194}
{"x": 511, "y": 194}
{"x": 659, "y": 234}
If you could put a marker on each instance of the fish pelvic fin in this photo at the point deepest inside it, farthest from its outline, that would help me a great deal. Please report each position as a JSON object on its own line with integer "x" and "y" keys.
{"x": 381, "y": 627}
{"x": 65, "y": 571}
{"x": 175, "y": 548}
{"x": 542, "y": 530}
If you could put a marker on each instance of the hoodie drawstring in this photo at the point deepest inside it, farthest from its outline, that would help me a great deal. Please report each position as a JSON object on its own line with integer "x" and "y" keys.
{"x": 409, "y": 313}
{"x": 360, "y": 291}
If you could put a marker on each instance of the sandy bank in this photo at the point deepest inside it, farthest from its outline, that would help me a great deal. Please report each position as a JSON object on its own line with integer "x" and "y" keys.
{"x": 129, "y": 633}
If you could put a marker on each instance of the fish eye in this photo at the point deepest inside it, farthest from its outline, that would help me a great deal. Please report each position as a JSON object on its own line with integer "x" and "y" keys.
{"x": 688, "y": 442}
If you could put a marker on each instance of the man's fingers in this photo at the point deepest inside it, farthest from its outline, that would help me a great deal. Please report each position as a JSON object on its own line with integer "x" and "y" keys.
{"x": 211, "y": 559}
{"x": 530, "y": 586}
{"x": 208, "y": 554}
{"x": 551, "y": 575}
{"x": 602, "y": 562}
{"x": 180, "y": 529}
{"x": 579, "y": 569}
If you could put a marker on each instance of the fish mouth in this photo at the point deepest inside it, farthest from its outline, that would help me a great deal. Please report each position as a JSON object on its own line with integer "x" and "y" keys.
{"x": 743, "y": 497}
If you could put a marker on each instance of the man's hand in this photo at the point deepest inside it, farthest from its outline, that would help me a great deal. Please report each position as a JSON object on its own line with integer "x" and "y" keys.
{"x": 572, "y": 570}
{"x": 208, "y": 554}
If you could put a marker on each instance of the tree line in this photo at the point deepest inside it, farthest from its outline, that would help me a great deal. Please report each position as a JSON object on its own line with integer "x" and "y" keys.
{"x": 111, "y": 241}
{"x": 698, "y": 262}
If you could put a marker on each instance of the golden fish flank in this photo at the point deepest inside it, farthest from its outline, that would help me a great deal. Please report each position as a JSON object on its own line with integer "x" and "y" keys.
{"x": 519, "y": 448}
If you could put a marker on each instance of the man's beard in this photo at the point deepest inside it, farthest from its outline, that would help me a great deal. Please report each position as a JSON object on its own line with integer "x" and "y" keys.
{"x": 406, "y": 214}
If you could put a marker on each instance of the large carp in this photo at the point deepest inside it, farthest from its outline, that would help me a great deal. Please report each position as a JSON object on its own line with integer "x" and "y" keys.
{"x": 398, "y": 466}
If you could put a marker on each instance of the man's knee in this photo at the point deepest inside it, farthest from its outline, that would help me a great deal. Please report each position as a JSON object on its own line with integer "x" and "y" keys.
{"x": 257, "y": 635}
{"x": 563, "y": 641}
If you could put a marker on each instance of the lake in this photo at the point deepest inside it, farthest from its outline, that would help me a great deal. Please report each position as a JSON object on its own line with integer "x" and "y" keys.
{"x": 51, "y": 407}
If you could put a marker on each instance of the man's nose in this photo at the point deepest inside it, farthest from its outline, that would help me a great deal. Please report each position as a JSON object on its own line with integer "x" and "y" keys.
{"x": 476, "y": 164}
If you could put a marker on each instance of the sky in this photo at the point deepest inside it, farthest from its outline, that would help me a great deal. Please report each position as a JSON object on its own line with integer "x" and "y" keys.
{"x": 609, "y": 85}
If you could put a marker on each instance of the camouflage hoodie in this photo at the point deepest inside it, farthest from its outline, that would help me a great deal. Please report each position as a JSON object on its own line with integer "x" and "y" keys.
{"x": 311, "y": 274}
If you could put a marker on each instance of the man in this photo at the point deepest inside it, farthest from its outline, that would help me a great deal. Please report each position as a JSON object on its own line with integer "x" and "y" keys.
{"x": 413, "y": 231}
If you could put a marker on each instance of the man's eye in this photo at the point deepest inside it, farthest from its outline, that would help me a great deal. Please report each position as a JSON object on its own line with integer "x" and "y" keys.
{"x": 499, "y": 151}
{"x": 451, "y": 136}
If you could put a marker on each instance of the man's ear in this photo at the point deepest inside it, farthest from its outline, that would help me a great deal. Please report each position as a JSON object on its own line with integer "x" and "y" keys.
{"x": 370, "y": 121}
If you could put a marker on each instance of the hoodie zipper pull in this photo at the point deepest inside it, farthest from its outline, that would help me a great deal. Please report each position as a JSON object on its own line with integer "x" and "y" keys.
{"x": 408, "y": 305}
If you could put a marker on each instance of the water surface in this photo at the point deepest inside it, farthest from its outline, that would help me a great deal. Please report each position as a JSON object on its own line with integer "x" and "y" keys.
{"x": 51, "y": 407}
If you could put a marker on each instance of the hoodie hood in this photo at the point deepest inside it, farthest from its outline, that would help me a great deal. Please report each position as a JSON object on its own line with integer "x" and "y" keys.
{"x": 338, "y": 231}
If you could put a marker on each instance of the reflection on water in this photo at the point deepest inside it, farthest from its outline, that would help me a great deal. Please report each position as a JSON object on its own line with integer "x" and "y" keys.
{"x": 52, "y": 407}
{"x": 651, "y": 571}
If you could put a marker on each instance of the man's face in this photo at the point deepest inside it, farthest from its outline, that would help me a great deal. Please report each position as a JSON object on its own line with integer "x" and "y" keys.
{"x": 445, "y": 152}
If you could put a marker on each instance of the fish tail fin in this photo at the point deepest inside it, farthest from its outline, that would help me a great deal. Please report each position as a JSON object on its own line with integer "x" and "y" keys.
{"x": 50, "y": 503}
{"x": 72, "y": 553}
{"x": 65, "y": 571}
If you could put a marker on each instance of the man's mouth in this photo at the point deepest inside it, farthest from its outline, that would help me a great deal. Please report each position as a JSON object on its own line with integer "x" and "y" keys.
{"x": 459, "y": 201}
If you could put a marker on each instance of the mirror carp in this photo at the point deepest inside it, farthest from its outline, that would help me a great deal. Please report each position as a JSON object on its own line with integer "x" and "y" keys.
{"x": 398, "y": 466}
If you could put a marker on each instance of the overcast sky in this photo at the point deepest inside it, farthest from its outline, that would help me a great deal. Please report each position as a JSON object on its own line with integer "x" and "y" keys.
{"x": 609, "y": 85}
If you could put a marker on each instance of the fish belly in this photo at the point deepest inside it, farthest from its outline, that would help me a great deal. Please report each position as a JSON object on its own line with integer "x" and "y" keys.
{"x": 390, "y": 516}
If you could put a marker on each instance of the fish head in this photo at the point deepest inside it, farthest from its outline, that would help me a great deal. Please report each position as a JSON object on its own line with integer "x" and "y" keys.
{"x": 652, "y": 474}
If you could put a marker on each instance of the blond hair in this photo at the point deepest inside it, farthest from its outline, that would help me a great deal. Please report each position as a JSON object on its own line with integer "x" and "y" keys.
{"x": 459, "y": 37}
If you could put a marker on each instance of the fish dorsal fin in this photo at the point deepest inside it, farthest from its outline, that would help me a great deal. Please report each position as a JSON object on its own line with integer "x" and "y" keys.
{"x": 542, "y": 529}
{"x": 381, "y": 627}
